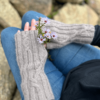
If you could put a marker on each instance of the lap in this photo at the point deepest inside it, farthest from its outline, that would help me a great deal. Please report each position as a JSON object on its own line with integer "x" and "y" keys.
{"x": 65, "y": 58}
{"x": 56, "y": 78}
{"x": 72, "y": 55}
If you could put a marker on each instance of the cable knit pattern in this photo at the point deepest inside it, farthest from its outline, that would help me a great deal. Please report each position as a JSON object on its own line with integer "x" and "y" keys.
{"x": 67, "y": 33}
{"x": 31, "y": 57}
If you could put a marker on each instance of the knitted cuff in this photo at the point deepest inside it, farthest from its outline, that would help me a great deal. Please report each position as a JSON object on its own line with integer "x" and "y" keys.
{"x": 67, "y": 33}
{"x": 31, "y": 57}
{"x": 86, "y": 35}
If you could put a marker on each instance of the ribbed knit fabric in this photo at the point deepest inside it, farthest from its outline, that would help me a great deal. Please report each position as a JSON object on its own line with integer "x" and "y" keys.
{"x": 31, "y": 57}
{"x": 67, "y": 33}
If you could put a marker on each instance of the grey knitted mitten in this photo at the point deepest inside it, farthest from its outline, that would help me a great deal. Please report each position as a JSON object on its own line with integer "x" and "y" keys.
{"x": 68, "y": 33}
{"x": 31, "y": 57}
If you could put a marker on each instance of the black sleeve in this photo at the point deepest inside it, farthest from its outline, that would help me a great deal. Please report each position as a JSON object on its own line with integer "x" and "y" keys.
{"x": 96, "y": 39}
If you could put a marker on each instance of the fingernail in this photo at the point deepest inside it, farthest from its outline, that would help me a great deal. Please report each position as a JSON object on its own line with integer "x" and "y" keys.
{"x": 33, "y": 19}
{"x": 18, "y": 30}
{"x": 27, "y": 23}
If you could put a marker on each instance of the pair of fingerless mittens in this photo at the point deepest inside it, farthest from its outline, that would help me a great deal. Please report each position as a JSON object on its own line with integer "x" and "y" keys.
{"x": 31, "y": 55}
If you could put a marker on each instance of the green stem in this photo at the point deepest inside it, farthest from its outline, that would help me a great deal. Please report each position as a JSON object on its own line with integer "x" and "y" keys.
{"x": 42, "y": 25}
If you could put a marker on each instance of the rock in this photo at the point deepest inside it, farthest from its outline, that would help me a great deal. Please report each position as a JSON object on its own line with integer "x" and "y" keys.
{"x": 97, "y": 47}
{"x": 95, "y": 4}
{"x": 1, "y": 28}
{"x": 17, "y": 96}
{"x": 8, "y": 15}
{"x": 71, "y": 1}
{"x": 7, "y": 82}
{"x": 77, "y": 14}
{"x": 42, "y": 6}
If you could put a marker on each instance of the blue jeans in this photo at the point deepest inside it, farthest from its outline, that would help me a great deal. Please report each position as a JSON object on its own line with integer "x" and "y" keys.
{"x": 65, "y": 58}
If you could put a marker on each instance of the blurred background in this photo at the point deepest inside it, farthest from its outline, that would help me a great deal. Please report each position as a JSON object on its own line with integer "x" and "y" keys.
{"x": 67, "y": 11}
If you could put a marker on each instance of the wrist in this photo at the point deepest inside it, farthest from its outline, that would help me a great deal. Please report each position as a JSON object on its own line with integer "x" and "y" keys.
{"x": 85, "y": 35}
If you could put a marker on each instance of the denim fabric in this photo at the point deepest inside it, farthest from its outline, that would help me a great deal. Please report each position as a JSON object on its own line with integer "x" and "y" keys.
{"x": 65, "y": 58}
{"x": 72, "y": 55}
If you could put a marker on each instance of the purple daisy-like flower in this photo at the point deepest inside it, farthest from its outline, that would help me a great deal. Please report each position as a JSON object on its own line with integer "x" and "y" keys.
{"x": 48, "y": 35}
{"x": 41, "y": 39}
{"x": 45, "y": 30}
{"x": 45, "y": 20}
{"x": 54, "y": 35}
{"x": 36, "y": 24}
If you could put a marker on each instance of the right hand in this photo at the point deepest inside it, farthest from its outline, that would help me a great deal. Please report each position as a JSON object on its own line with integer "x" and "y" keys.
{"x": 27, "y": 27}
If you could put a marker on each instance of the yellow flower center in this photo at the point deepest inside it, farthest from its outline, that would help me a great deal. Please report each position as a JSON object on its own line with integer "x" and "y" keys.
{"x": 50, "y": 32}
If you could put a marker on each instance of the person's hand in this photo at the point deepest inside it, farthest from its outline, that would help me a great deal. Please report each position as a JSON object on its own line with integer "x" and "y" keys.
{"x": 27, "y": 27}
{"x": 69, "y": 33}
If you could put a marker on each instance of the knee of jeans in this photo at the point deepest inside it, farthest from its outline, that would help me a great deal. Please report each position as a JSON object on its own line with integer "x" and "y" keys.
{"x": 26, "y": 15}
{"x": 4, "y": 32}
{"x": 32, "y": 13}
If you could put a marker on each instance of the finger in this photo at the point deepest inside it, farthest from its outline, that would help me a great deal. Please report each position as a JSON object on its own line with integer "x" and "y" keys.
{"x": 33, "y": 24}
{"x": 26, "y": 27}
{"x": 18, "y": 31}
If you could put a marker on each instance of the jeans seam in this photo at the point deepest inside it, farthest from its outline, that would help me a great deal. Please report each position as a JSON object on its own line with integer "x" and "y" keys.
{"x": 51, "y": 71}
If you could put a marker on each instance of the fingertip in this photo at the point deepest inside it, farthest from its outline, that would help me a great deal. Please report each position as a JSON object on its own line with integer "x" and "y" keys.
{"x": 18, "y": 31}
{"x": 33, "y": 24}
{"x": 26, "y": 28}
{"x": 27, "y": 23}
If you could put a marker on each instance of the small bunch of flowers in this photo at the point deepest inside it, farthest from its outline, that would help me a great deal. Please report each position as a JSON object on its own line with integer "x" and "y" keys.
{"x": 44, "y": 34}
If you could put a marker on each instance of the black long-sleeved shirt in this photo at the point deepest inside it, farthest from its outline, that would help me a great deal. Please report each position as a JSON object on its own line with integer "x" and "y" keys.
{"x": 96, "y": 39}
{"x": 83, "y": 81}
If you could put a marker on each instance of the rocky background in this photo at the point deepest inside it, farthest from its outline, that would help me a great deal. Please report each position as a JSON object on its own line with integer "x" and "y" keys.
{"x": 67, "y": 11}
